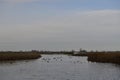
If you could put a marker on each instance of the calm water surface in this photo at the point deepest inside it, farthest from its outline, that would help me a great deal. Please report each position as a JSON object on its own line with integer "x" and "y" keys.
{"x": 59, "y": 67}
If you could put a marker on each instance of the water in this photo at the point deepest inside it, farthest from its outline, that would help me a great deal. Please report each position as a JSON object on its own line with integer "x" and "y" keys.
{"x": 59, "y": 67}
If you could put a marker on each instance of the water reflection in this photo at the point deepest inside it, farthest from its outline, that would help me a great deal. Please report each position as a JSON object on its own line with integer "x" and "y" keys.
{"x": 58, "y": 67}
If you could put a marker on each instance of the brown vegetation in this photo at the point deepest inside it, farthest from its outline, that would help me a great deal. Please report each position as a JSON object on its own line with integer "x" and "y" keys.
{"x": 19, "y": 55}
{"x": 106, "y": 57}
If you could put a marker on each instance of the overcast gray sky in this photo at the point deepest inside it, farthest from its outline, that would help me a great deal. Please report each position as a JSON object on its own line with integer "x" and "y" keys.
{"x": 59, "y": 24}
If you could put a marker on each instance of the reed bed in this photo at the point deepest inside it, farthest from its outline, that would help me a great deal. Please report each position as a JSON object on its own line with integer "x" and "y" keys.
{"x": 106, "y": 57}
{"x": 19, "y": 55}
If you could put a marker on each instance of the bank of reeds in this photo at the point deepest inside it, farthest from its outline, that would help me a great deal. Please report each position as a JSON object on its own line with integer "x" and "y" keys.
{"x": 106, "y": 57}
{"x": 19, "y": 55}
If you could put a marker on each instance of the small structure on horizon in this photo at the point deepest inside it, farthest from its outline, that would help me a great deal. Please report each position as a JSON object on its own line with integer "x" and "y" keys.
{"x": 80, "y": 52}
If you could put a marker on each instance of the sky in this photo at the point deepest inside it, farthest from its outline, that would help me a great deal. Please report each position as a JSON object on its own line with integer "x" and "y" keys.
{"x": 59, "y": 25}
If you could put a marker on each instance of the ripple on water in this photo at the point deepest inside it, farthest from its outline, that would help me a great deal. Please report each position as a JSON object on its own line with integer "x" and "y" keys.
{"x": 59, "y": 67}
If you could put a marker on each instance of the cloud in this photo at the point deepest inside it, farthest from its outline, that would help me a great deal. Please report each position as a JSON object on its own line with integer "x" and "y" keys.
{"x": 99, "y": 29}
{"x": 89, "y": 20}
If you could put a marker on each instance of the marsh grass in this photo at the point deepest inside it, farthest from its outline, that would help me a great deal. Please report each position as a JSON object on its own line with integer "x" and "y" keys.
{"x": 106, "y": 57}
{"x": 19, "y": 55}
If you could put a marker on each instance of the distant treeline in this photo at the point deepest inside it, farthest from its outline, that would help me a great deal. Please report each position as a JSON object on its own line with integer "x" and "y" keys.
{"x": 56, "y": 52}
{"x": 20, "y": 55}
{"x": 105, "y": 57}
